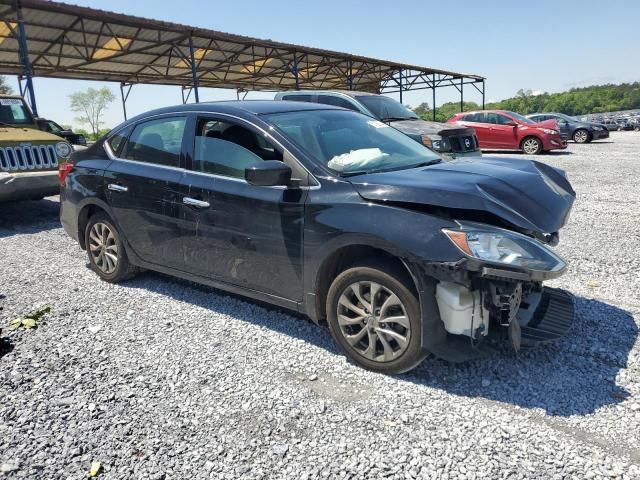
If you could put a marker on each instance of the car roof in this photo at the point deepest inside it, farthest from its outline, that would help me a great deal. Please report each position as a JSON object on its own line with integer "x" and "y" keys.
{"x": 351, "y": 93}
{"x": 484, "y": 111}
{"x": 255, "y": 107}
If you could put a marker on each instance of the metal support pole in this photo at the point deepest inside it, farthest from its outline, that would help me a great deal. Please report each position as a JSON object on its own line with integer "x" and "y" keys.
{"x": 350, "y": 75}
{"x": 20, "y": 86}
{"x": 26, "y": 63}
{"x": 400, "y": 85}
{"x": 185, "y": 99}
{"x": 194, "y": 76}
{"x": 124, "y": 96}
{"x": 461, "y": 95}
{"x": 482, "y": 94}
{"x": 295, "y": 70}
{"x": 433, "y": 82}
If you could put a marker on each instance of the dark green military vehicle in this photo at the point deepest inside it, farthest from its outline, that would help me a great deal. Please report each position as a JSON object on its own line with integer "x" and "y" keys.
{"x": 29, "y": 157}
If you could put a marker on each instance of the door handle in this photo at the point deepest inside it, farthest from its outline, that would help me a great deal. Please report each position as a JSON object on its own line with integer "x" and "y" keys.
{"x": 117, "y": 188}
{"x": 194, "y": 202}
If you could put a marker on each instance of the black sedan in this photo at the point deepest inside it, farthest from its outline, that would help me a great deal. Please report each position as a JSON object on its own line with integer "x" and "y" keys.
{"x": 573, "y": 129}
{"x": 69, "y": 135}
{"x": 333, "y": 214}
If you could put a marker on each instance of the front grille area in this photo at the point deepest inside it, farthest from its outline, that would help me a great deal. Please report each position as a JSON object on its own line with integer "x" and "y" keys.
{"x": 27, "y": 157}
{"x": 458, "y": 143}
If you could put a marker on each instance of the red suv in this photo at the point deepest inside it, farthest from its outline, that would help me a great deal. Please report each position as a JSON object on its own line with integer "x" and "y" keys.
{"x": 504, "y": 130}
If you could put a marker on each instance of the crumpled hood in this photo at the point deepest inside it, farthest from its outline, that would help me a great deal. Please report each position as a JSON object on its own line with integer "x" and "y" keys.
{"x": 423, "y": 127}
{"x": 527, "y": 194}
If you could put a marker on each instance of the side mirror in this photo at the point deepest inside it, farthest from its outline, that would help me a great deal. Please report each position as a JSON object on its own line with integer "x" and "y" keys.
{"x": 269, "y": 173}
{"x": 512, "y": 123}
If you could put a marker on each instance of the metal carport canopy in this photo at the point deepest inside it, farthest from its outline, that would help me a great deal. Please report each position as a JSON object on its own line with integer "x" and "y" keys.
{"x": 53, "y": 39}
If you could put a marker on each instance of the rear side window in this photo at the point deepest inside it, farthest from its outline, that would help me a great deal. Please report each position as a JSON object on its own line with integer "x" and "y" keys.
{"x": 297, "y": 98}
{"x": 474, "y": 117}
{"x": 157, "y": 141}
{"x": 336, "y": 101}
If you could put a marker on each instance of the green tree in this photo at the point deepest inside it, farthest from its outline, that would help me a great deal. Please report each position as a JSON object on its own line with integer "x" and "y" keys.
{"x": 91, "y": 105}
{"x": 5, "y": 89}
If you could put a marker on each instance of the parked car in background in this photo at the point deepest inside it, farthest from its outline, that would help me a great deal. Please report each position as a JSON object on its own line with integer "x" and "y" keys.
{"x": 52, "y": 127}
{"x": 445, "y": 139}
{"x": 611, "y": 125}
{"x": 625, "y": 123}
{"x": 505, "y": 130}
{"x": 573, "y": 129}
{"x": 29, "y": 158}
{"x": 331, "y": 213}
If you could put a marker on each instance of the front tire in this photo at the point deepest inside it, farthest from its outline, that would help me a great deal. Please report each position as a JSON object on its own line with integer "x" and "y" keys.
{"x": 374, "y": 317}
{"x": 106, "y": 252}
{"x": 581, "y": 136}
{"x": 531, "y": 146}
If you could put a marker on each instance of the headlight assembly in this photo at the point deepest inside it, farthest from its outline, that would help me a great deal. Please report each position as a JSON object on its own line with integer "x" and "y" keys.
{"x": 436, "y": 143}
{"x": 63, "y": 150}
{"x": 549, "y": 131}
{"x": 506, "y": 248}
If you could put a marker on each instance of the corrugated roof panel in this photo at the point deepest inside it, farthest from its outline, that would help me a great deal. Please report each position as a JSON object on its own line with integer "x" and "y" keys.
{"x": 68, "y": 41}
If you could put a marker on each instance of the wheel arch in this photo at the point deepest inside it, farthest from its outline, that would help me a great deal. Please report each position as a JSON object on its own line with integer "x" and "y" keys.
{"x": 86, "y": 211}
{"x": 346, "y": 256}
{"x": 531, "y": 135}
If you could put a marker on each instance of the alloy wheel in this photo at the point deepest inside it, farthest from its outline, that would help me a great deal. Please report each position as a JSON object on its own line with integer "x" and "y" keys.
{"x": 530, "y": 146}
{"x": 580, "y": 136}
{"x": 103, "y": 247}
{"x": 373, "y": 321}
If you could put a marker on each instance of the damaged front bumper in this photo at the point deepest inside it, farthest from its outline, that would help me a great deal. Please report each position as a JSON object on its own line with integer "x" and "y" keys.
{"x": 476, "y": 302}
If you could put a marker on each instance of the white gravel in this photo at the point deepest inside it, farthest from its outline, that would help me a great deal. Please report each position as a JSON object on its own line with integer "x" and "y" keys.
{"x": 160, "y": 379}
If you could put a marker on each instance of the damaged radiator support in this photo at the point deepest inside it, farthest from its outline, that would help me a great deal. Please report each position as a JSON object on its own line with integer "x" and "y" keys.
{"x": 505, "y": 300}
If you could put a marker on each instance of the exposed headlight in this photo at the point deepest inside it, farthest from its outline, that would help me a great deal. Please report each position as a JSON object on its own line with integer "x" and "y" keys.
{"x": 506, "y": 248}
{"x": 63, "y": 150}
{"x": 549, "y": 131}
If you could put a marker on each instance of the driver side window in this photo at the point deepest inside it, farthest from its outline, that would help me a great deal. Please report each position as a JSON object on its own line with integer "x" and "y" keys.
{"x": 497, "y": 119}
{"x": 227, "y": 149}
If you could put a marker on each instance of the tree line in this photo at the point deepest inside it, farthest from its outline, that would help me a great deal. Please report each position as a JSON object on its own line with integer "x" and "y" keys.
{"x": 577, "y": 101}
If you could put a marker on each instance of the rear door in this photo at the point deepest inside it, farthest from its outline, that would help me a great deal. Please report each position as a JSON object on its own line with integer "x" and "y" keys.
{"x": 142, "y": 189}
{"x": 477, "y": 121}
{"x": 235, "y": 232}
{"x": 502, "y": 135}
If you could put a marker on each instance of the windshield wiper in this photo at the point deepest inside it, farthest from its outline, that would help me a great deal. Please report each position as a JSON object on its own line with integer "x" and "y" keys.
{"x": 7, "y": 125}
{"x": 395, "y": 119}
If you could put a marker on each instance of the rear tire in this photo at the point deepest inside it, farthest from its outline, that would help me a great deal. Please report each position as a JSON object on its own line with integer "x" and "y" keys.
{"x": 531, "y": 146}
{"x": 383, "y": 334}
{"x": 581, "y": 136}
{"x": 106, "y": 252}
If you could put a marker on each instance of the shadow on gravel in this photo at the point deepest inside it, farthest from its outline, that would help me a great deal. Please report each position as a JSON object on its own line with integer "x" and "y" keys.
{"x": 5, "y": 346}
{"x": 31, "y": 216}
{"x": 575, "y": 376}
{"x": 552, "y": 153}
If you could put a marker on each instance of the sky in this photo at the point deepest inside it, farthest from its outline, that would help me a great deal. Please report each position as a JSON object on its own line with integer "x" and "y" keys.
{"x": 540, "y": 45}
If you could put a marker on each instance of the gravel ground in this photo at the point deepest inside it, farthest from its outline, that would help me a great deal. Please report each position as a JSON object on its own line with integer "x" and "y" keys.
{"x": 160, "y": 379}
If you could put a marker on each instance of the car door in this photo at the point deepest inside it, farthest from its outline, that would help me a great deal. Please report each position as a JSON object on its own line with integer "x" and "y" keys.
{"x": 477, "y": 121}
{"x": 142, "y": 189}
{"x": 245, "y": 235}
{"x": 502, "y": 131}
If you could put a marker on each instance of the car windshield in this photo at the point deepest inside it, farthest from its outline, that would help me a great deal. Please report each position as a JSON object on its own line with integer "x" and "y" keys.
{"x": 349, "y": 143}
{"x": 385, "y": 108}
{"x": 520, "y": 118}
{"x": 13, "y": 111}
{"x": 54, "y": 127}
